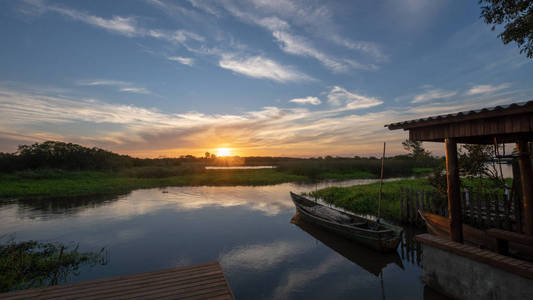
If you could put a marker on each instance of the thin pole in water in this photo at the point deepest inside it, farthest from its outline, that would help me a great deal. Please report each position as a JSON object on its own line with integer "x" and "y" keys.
{"x": 381, "y": 181}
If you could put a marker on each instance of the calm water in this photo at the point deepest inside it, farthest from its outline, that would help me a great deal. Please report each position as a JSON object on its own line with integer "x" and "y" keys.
{"x": 265, "y": 251}
{"x": 239, "y": 167}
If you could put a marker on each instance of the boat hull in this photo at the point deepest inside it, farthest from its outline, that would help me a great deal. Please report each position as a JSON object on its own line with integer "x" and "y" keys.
{"x": 386, "y": 240}
{"x": 440, "y": 226}
{"x": 367, "y": 258}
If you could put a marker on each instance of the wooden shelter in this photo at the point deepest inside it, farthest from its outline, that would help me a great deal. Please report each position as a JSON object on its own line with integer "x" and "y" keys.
{"x": 511, "y": 123}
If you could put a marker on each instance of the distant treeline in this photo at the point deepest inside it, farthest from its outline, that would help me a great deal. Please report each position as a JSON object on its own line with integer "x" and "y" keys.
{"x": 73, "y": 157}
{"x": 68, "y": 156}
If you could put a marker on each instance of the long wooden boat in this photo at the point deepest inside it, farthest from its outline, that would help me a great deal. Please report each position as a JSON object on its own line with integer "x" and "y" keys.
{"x": 440, "y": 226}
{"x": 379, "y": 236}
{"x": 366, "y": 258}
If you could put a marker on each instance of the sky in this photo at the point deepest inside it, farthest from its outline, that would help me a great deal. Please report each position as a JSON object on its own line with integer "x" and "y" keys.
{"x": 157, "y": 78}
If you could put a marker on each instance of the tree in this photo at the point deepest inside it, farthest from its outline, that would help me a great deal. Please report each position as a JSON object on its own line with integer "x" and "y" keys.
{"x": 517, "y": 15}
{"x": 416, "y": 149}
{"x": 207, "y": 155}
{"x": 477, "y": 161}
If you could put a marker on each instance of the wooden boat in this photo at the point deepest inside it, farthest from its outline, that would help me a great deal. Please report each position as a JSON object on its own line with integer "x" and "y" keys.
{"x": 440, "y": 226}
{"x": 379, "y": 236}
{"x": 364, "y": 257}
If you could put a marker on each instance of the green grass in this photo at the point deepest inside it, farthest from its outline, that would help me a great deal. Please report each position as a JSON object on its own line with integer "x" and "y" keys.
{"x": 421, "y": 171}
{"x": 349, "y": 175}
{"x": 93, "y": 183}
{"x": 363, "y": 199}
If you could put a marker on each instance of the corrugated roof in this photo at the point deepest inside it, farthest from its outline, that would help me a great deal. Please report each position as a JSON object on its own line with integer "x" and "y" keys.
{"x": 451, "y": 117}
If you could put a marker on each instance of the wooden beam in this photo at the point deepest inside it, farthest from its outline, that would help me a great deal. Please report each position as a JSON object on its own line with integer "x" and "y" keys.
{"x": 526, "y": 176}
{"x": 454, "y": 197}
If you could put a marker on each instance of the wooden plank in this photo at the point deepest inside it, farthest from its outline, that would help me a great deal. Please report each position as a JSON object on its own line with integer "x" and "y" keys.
{"x": 199, "y": 282}
{"x": 511, "y": 236}
{"x": 144, "y": 278}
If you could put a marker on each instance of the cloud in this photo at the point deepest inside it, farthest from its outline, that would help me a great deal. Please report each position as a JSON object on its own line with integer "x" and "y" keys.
{"x": 299, "y": 46}
{"x": 261, "y": 256}
{"x": 123, "y": 25}
{"x": 148, "y": 132}
{"x": 269, "y": 16}
{"x": 183, "y": 60}
{"x": 485, "y": 89}
{"x": 127, "y": 26}
{"x": 433, "y": 94}
{"x": 306, "y": 100}
{"x": 122, "y": 86}
{"x": 261, "y": 67}
{"x": 338, "y": 96}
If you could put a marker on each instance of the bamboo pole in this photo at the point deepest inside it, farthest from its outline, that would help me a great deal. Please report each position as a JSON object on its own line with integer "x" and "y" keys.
{"x": 381, "y": 181}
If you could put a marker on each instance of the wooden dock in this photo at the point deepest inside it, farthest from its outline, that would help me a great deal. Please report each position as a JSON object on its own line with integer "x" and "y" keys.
{"x": 203, "y": 281}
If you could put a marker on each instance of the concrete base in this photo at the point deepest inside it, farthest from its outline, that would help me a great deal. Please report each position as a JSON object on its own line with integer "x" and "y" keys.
{"x": 464, "y": 278}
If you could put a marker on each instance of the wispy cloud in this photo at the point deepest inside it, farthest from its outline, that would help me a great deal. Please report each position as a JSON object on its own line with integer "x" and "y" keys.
{"x": 127, "y": 26}
{"x": 261, "y": 67}
{"x": 133, "y": 129}
{"x": 297, "y": 45}
{"x": 306, "y": 100}
{"x": 293, "y": 43}
{"x": 338, "y": 96}
{"x": 122, "y": 86}
{"x": 183, "y": 60}
{"x": 432, "y": 94}
{"x": 487, "y": 88}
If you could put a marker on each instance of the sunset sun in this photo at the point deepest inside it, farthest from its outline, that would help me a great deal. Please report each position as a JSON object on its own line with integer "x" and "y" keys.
{"x": 223, "y": 152}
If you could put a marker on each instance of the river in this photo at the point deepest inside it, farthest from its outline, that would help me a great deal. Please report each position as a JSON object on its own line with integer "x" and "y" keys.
{"x": 264, "y": 251}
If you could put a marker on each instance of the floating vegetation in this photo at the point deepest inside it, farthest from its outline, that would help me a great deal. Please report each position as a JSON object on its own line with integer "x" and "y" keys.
{"x": 30, "y": 264}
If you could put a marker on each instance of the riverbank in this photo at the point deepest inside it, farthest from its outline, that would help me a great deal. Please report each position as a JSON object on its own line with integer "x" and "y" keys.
{"x": 57, "y": 183}
{"x": 363, "y": 199}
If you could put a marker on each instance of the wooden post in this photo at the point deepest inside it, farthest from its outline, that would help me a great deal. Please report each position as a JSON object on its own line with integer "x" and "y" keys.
{"x": 526, "y": 176}
{"x": 401, "y": 204}
{"x": 497, "y": 218}
{"x": 454, "y": 197}
{"x": 381, "y": 181}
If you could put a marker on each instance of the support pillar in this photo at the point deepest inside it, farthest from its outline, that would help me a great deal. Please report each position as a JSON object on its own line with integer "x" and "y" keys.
{"x": 454, "y": 193}
{"x": 526, "y": 176}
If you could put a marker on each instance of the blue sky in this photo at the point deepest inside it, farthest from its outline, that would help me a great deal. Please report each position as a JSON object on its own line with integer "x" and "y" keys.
{"x": 297, "y": 78}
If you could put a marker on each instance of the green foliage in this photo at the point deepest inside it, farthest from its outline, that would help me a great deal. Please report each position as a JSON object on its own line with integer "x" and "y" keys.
{"x": 475, "y": 162}
{"x": 318, "y": 168}
{"x": 363, "y": 199}
{"x": 162, "y": 172}
{"x": 73, "y": 157}
{"x": 417, "y": 152}
{"x": 437, "y": 178}
{"x": 30, "y": 264}
{"x": 98, "y": 183}
{"x": 517, "y": 15}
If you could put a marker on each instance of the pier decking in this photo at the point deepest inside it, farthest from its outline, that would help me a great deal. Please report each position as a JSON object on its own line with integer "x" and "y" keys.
{"x": 203, "y": 281}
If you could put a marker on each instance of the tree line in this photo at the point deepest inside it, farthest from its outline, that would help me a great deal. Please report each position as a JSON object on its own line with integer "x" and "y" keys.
{"x": 74, "y": 157}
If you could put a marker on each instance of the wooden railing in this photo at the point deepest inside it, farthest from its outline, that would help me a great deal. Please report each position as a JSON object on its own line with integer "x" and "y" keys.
{"x": 480, "y": 210}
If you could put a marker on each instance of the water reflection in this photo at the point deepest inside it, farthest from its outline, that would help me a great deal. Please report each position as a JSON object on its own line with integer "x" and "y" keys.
{"x": 261, "y": 257}
{"x": 246, "y": 228}
{"x": 366, "y": 258}
{"x": 62, "y": 205}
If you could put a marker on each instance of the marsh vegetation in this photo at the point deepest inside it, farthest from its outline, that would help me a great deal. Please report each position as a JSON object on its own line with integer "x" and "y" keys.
{"x": 56, "y": 169}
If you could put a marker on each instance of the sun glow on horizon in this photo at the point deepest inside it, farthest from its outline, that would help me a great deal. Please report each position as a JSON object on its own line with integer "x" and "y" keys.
{"x": 224, "y": 152}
